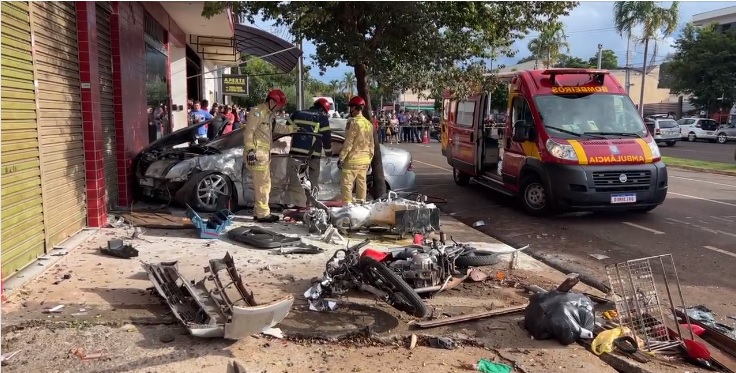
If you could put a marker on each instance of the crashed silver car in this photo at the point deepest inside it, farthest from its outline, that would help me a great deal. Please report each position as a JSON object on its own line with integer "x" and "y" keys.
{"x": 213, "y": 308}
{"x": 172, "y": 170}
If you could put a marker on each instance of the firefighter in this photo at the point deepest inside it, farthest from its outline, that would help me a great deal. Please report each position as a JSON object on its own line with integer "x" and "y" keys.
{"x": 257, "y": 152}
{"x": 357, "y": 152}
{"x": 313, "y": 120}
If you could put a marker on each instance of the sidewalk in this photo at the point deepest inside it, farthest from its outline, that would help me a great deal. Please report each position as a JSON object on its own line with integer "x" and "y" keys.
{"x": 104, "y": 293}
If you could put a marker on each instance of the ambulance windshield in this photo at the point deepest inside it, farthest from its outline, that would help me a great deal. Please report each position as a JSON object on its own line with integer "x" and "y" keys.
{"x": 590, "y": 115}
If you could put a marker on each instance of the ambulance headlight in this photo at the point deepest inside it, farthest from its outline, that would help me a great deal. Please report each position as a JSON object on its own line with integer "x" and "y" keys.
{"x": 655, "y": 150}
{"x": 561, "y": 151}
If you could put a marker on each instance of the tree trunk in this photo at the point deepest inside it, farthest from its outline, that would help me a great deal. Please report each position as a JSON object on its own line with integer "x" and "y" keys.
{"x": 643, "y": 78}
{"x": 549, "y": 59}
{"x": 379, "y": 181}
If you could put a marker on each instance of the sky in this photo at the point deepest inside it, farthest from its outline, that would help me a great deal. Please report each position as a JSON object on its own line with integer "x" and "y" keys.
{"x": 589, "y": 24}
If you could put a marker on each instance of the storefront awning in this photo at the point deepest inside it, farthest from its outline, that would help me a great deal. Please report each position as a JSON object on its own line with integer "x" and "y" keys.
{"x": 274, "y": 50}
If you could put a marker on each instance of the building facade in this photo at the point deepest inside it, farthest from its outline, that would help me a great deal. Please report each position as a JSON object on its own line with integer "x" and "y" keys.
{"x": 85, "y": 86}
{"x": 725, "y": 18}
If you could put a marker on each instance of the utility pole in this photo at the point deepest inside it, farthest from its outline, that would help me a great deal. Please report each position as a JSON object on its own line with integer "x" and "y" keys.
{"x": 628, "y": 63}
{"x": 300, "y": 77}
{"x": 600, "y": 55}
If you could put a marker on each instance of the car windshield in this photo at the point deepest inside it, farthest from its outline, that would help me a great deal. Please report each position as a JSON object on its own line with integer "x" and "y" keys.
{"x": 667, "y": 123}
{"x": 589, "y": 115}
{"x": 685, "y": 122}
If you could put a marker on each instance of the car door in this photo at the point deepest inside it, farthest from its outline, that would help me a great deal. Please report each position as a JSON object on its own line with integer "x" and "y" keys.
{"x": 730, "y": 131}
{"x": 463, "y": 136}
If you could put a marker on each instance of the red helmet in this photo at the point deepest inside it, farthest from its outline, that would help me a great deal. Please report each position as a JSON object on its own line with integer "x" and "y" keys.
{"x": 278, "y": 96}
{"x": 323, "y": 103}
{"x": 356, "y": 101}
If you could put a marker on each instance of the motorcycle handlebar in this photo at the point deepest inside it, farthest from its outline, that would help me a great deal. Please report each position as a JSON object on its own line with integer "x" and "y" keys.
{"x": 360, "y": 245}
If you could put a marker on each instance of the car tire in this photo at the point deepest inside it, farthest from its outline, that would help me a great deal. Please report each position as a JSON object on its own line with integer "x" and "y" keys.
{"x": 691, "y": 137}
{"x": 535, "y": 198}
{"x": 722, "y": 138}
{"x": 202, "y": 192}
{"x": 461, "y": 178}
{"x": 671, "y": 143}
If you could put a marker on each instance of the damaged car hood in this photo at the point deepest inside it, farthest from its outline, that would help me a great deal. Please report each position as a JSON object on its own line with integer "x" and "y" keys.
{"x": 180, "y": 136}
{"x": 211, "y": 307}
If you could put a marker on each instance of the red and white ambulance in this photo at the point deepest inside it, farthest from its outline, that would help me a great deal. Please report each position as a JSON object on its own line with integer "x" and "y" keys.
{"x": 573, "y": 140}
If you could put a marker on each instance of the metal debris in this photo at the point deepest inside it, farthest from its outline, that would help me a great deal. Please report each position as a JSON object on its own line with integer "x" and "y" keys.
{"x": 600, "y": 256}
{"x": 119, "y": 249}
{"x": 479, "y": 223}
{"x": 56, "y": 309}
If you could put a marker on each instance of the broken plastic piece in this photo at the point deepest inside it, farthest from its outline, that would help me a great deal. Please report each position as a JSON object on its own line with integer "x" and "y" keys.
{"x": 261, "y": 238}
{"x": 118, "y": 249}
{"x": 302, "y": 249}
{"x": 214, "y": 225}
{"x": 206, "y": 308}
{"x": 486, "y": 366}
{"x": 56, "y": 309}
{"x": 479, "y": 223}
{"x": 442, "y": 342}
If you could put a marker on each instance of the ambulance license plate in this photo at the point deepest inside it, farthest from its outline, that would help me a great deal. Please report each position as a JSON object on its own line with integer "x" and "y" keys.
{"x": 623, "y": 198}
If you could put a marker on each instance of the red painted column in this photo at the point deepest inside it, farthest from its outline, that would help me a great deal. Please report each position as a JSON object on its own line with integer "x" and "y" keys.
{"x": 91, "y": 114}
{"x": 124, "y": 192}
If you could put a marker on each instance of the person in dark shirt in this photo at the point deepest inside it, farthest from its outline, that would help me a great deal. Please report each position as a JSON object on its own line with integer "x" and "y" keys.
{"x": 218, "y": 122}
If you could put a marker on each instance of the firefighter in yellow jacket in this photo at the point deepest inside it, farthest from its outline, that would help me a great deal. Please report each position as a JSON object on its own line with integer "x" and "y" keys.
{"x": 257, "y": 152}
{"x": 357, "y": 152}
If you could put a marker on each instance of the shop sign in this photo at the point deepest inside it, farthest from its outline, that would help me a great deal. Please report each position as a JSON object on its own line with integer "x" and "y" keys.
{"x": 234, "y": 85}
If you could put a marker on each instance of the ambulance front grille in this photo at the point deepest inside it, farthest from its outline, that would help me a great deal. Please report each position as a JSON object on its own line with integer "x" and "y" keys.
{"x": 611, "y": 181}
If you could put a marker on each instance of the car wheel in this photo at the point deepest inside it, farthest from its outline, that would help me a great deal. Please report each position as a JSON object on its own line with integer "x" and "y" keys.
{"x": 206, "y": 190}
{"x": 535, "y": 197}
{"x": 691, "y": 137}
{"x": 722, "y": 139}
{"x": 671, "y": 143}
{"x": 461, "y": 178}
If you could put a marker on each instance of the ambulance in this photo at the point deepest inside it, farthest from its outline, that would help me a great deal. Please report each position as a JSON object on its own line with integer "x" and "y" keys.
{"x": 573, "y": 141}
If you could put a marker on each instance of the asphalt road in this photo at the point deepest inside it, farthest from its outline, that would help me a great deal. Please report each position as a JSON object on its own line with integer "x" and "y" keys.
{"x": 696, "y": 224}
{"x": 701, "y": 151}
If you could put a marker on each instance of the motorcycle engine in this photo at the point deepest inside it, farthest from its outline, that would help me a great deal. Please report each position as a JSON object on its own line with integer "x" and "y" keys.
{"x": 420, "y": 271}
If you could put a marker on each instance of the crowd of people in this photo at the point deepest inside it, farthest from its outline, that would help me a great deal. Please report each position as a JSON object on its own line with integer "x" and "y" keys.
{"x": 402, "y": 127}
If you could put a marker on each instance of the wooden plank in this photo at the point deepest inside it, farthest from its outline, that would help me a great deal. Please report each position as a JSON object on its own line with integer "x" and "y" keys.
{"x": 155, "y": 220}
{"x": 471, "y": 317}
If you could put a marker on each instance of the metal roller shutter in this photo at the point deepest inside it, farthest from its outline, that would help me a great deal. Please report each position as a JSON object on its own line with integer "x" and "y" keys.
{"x": 22, "y": 233}
{"x": 60, "y": 118}
{"x": 107, "y": 104}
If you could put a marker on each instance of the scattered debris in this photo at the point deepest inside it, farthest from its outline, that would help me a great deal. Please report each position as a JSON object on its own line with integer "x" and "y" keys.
{"x": 235, "y": 367}
{"x": 259, "y": 238}
{"x": 487, "y": 366}
{"x": 58, "y": 253}
{"x": 413, "y": 341}
{"x": 7, "y": 356}
{"x": 301, "y": 249}
{"x": 332, "y": 236}
{"x": 214, "y": 225}
{"x": 166, "y": 338}
{"x": 63, "y": 278}
{"x": 56, "y": 309}
{"x": 129, "y": 328}
{"x": 479, "y": 223}
{"x": 119, "y": 249}
{"x": 600, "y": 256}
{"x": 471, "y": 317}
{"x": 442, "y": 342}
{"x": 219, "y": 316}
{"x": 477, "y": 275}
{"x": 82, "y": 355}
{"x": 274, "y": 332}
{"x": 315, "y": 300}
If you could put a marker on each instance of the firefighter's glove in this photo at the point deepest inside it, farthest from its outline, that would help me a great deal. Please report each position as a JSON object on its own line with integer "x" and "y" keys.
{"x": 251, "y": 158}
{"x": 339, "y": 164}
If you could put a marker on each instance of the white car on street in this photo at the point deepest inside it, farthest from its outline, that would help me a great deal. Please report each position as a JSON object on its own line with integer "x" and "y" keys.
{"x": 693, "y": 129}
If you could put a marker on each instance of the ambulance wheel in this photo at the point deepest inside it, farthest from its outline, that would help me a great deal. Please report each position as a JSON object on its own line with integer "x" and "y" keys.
{"x": 535, "y": 197}
{"x": 460, "y": 177}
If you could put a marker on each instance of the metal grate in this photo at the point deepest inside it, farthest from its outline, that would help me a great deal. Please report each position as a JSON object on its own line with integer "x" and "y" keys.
{"x": 639, "y": 301}
{"x": 611, "y": 181}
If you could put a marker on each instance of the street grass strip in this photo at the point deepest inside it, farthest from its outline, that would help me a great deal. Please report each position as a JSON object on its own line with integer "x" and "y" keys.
{"x": 704, "y": 166}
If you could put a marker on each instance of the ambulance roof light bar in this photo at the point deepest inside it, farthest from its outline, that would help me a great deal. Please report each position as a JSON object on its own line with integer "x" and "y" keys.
{"x": 598, "y": 75}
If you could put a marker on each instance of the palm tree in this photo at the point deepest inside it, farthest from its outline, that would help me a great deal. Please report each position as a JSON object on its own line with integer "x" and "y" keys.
{"x": 348, "y": 83}
{"x": 549, "y": 44}
{"x": 334, "y": 86}
{"x": 654, "y": 21}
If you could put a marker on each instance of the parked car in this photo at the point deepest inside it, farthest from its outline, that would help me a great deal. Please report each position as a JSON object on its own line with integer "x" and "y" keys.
{"x": 726, "y": 133}
{"x": 664, "y": 130}
{"x": 693, "y": 129}
{"x": 172, "y": 170}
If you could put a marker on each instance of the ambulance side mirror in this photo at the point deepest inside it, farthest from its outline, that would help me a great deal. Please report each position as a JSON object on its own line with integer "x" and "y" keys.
{"x": 521, "y": 131}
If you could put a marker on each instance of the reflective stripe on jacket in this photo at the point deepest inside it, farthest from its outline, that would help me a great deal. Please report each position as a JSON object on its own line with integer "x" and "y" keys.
{"x": 311, "y": 121}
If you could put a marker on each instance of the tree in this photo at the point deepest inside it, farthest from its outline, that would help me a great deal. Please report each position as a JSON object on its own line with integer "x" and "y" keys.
{"x": 569, "y": 61}
{"x": 609, "y": 61}
{"x": 703, "y": 66}
{"x": 550, "y": 43}
{"x": 654, "y": 21}
{"x": 334, "y": 87}
{"x": 526, "y": 59}
{"x": 449, "y": 41}
{"x": 348, "y": 84}
{"x": 500, "y": 98}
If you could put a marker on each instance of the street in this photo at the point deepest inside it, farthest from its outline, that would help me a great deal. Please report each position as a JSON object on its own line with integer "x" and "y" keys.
{"x": 696, "y": 224}
{"x": 701, "y": 151}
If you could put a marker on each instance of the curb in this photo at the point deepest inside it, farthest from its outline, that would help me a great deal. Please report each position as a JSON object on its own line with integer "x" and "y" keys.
{"x": 706, "y": 170}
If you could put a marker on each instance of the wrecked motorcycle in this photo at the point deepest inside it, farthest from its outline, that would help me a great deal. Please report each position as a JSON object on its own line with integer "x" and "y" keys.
{"x": 348, "y": 269}
{"x": 430, "y": 267}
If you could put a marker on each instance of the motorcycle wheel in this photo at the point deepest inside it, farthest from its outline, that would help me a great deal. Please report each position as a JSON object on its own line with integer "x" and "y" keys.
{"x": 402, "y": 296}
{"x": 477, "y": 259}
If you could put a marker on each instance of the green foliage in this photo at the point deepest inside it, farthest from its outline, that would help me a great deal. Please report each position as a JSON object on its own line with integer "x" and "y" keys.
{"x": 550, "y": 43}
{"x": 156, "y": 91}
{"x": 570, "y": 61}
{"x": 408, "y": 45}
{"x": 703, "y": 66}
{"x": 500, "y": 98}
{"x": 609, "y": 61}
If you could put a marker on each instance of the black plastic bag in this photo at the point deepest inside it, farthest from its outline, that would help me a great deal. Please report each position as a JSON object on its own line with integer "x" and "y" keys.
{"x": 561, "y": 316}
